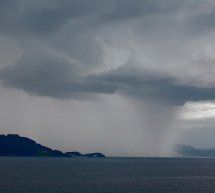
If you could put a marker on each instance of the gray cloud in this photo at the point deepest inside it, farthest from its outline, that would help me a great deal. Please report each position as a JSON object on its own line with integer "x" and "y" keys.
{"x": 43, "y": 17}
{"x": 56, "y": 78}
{"x": 49, "y": 16}
{"x": 51, "y": 76}
{"x": 140, "y": 49}
{"x": 151, "y": 86}
{"x": 125, "y": 10}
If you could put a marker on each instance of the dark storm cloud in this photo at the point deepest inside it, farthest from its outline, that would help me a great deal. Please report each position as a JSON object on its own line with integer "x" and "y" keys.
{"x": 58, "y": 79}
{"x": 149, "y": 86}
{"x": 79, "y": 40}
{"x": 124, "y": 10}
{"x": 49, "y": 16}
{"x": 51, "y": 76}
{"x": 42, "y": 17}
{"x": 203, "y": 22}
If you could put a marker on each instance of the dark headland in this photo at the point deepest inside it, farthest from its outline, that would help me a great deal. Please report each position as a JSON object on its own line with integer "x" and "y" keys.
{"x": 15, "y": 145}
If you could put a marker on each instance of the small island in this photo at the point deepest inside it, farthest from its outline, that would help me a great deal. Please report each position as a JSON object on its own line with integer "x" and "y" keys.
{"x": 15, "y": 145}
{"x": 78, "y": 154}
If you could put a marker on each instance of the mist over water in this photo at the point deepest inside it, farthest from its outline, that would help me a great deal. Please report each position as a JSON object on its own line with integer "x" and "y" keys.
{"x": 115, "y": 125}
{"x": 159, "y": 122}
{"x": 137, "y": 128}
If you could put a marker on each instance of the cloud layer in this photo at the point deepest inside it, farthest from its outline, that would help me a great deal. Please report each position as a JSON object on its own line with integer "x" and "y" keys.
{"x": 160, "y": 50}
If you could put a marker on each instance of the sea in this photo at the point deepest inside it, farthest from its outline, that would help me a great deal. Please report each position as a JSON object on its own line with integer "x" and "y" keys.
{"x": 108, "y": 175}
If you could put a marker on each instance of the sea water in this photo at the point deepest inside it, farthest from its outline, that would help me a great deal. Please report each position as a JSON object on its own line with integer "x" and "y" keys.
{"x": 109, "y": 175}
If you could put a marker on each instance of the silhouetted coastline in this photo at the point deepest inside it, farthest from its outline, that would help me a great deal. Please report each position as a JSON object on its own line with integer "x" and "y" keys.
{"x": 15, "y": 145}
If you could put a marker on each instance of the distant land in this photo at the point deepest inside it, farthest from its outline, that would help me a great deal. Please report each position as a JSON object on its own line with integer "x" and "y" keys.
{"x": 189, "y": 151}
{"x": 15, "y": 145}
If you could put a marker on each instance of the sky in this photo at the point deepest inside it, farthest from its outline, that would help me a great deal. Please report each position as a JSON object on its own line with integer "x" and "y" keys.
{"x": 124, "y": 77}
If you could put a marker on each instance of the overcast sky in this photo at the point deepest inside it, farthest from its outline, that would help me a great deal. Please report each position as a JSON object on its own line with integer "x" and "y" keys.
{"x": 119, "y": 76}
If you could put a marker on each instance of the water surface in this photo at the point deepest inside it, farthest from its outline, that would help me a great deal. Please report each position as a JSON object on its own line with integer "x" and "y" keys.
{"x": 110, "y": 175}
